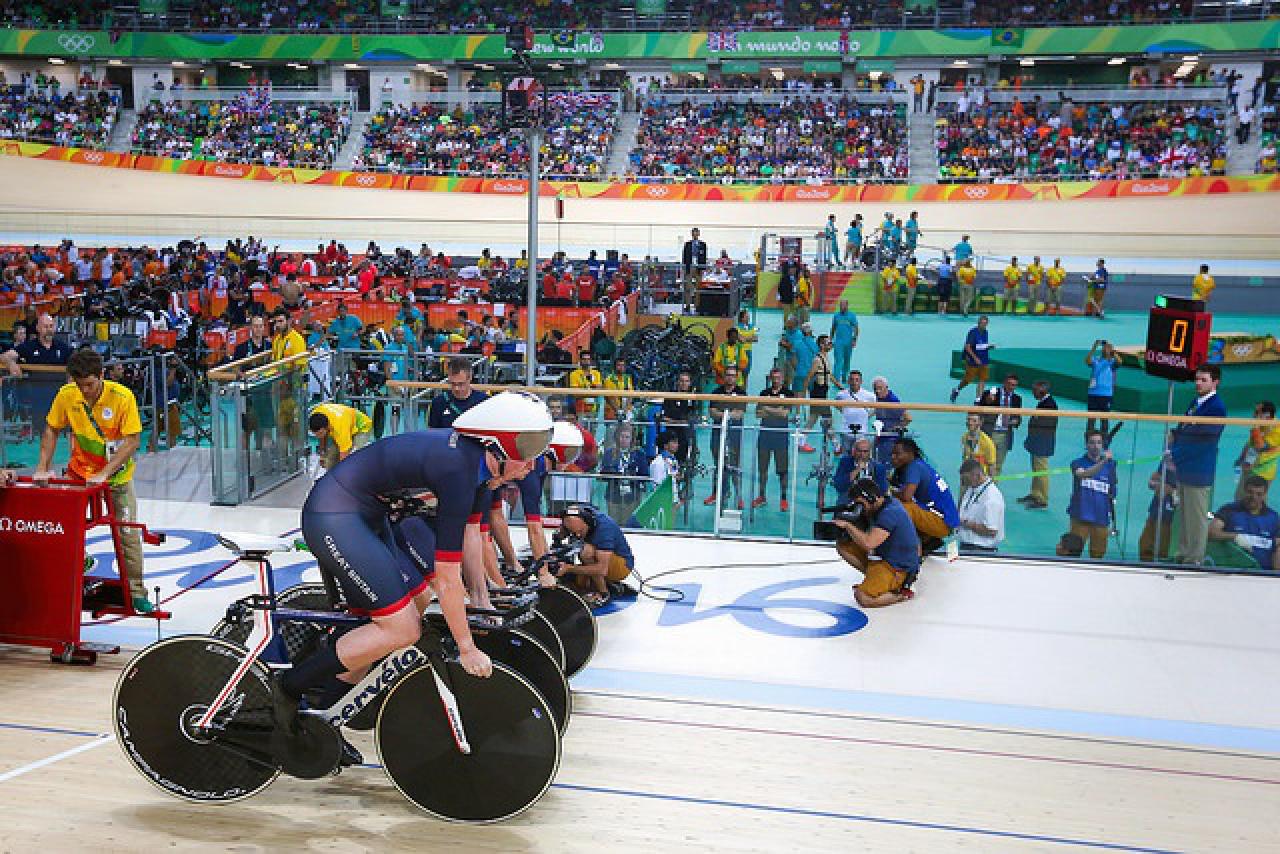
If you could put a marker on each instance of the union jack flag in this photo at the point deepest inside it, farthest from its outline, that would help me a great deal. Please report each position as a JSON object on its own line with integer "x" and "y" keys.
{"x": 722, "y": 41}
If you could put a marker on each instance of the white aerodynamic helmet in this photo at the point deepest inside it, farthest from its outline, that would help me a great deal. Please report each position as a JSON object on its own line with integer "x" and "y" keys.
{"x": 566, "y": 442}
{"x": 513, "y": 424}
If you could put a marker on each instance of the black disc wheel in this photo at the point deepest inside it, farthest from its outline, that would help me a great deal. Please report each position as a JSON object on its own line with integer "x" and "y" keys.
{"x": 512, "y": 746}
{"x": 544, "y": 632}
{"x": 531, "y": 660}
{"x": 161, "y": 696}
{"x": 574, "y": 624}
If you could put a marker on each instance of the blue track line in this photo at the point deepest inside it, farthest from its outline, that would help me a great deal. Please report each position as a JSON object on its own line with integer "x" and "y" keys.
{"x": 52, "y": 730}
{"x": 769, "y": 808}
{"x": 872, "y": 819}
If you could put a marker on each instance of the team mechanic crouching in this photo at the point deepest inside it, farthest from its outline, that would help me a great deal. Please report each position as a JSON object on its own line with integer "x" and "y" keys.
{"x": 345, "y": 524}
{"x": 606, "y": 555}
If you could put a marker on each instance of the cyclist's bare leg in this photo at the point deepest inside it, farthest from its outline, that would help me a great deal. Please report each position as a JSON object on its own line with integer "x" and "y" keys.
{"x": 501, "y": 532}
{"x": 362, "y": 646}
{"x": 492, "y": 572}
{"x": 473, "y": 567}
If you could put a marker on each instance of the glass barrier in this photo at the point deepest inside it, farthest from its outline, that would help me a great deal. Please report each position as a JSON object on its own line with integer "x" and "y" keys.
{"x": 258, "y": 426}
{"x": 1039, "y": 485}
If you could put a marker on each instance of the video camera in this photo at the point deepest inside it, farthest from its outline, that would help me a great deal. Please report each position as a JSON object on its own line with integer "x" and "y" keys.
{"x": 853, "y": 513}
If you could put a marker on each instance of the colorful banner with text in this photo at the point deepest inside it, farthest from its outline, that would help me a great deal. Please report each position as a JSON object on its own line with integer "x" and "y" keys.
{"x": 830, "y": 194}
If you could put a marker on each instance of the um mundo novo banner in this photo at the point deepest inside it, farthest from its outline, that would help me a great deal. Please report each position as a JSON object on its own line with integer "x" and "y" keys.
{"x": 1171, "y": 38}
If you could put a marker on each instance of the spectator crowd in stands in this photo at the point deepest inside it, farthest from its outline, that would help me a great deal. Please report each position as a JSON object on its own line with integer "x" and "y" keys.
{"x": 471, "y": 140}
{"x": 251, "y": 129}
{"x": 1042, "y": 140}
{"x": 36, "y": 111}
{"x": 814, "y": 140}
{"x": 721, "y": 15}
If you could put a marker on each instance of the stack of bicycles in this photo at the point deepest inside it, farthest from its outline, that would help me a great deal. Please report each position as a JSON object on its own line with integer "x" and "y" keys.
{"x": 656, "y": 355}
{"x": 193, "y": 713}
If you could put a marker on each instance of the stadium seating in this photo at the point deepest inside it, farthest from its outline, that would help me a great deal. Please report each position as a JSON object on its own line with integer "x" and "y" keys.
{"x": 495, "y": 15}
{"x": 432, "y": 139}
{"x": 1137, "y": 140}
{"x": 80, "y": 119}
{"x": 1030, "y": 13}
{"x": 788, "y": 140}
{"x": 251, "y": 129}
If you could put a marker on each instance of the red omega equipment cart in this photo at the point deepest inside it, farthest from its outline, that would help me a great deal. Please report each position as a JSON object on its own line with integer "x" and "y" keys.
{"x": 44, "y": 590}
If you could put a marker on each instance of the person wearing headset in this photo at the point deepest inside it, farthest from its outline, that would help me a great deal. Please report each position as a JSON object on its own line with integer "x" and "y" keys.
{"x": 345, "y": 523}
{"x": 606, "y": 555}
{"x": 566, "y": 444}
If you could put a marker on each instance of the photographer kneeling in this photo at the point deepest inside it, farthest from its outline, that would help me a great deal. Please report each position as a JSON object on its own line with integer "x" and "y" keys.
{"x": 891, "y": 534}
{"x": 606, "y": 557}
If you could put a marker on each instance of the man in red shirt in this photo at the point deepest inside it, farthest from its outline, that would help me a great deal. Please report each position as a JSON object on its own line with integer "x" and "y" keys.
{"x": 365, "y": 278}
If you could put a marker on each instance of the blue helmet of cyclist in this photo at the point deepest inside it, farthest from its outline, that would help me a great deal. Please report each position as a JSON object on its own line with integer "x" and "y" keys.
{"x": 566, "y": 443}
{"x": 512, "y": 425}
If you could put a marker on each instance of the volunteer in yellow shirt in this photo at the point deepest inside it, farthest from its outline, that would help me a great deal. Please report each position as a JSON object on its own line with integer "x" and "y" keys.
{"x": 731, "y": 353}
{"x": 1012, "y": 284}
{"x": 586, "y": 375}
{"x": 804, "y": 296}
{"x": 1202, "y": 285}
{"x": 966, "y": 275}
{"x": 285, "y": 343}
{"x": 619, "y": 380}
{"x": 1054, "y": 277}
{"x": 887, "y": 294}
{"x": 977, "y": 445}
{"x": 105, "y": 434}
{"x": 341, "y": 429}
{"x": 1035, "y": 287}
{"x": 912, "y": 274}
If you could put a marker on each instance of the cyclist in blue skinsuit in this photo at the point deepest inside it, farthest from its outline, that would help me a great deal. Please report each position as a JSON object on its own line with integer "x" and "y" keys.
{"x": 345, "y": 524}
{"x": 566, "y": 444}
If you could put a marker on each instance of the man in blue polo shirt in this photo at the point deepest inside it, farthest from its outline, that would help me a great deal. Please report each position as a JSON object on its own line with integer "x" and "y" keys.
{"x": 926, "y": 496}
{"x": 1253, "y": 525}
{"x": 963, "y": 250}
{"x": 892, "y": 536}
{"x": 346, "y": 328}
{"x": 977, "y": 358}
{"x": 1093, "y": 495}
{"x": 1195, "y": 454}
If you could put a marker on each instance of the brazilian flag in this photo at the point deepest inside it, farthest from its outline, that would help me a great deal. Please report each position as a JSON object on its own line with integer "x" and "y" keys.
{"x": 1010, "y": 37}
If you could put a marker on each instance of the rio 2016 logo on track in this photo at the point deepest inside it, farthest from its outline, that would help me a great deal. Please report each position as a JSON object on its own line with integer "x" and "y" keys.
{"x": 761, "y": 609}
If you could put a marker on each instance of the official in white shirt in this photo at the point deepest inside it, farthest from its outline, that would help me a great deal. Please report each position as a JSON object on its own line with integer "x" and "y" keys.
{"x": 981, "y": 510}
{"x": 854, "y": 420}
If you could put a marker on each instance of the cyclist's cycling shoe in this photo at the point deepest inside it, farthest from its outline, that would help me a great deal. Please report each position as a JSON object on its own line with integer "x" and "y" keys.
{"x": 303, "y": 746}
{"x": 350, "y": 756}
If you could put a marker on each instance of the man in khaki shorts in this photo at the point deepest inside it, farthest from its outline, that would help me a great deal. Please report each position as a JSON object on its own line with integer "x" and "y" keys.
{"x": 977, "y": 358}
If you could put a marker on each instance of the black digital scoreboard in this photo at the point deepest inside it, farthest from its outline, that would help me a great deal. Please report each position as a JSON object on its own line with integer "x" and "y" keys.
{"x": 1177, "y": 337}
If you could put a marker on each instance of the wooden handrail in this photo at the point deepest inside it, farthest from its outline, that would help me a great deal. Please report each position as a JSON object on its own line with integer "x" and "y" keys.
{"x": 548, "y": 391}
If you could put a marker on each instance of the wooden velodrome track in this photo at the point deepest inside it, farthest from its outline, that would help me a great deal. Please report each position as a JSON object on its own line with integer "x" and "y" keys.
{"x": 656, "y": 774}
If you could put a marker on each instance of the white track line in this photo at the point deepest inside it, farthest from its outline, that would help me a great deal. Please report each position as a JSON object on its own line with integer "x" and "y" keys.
{"x": 57, "y": 757}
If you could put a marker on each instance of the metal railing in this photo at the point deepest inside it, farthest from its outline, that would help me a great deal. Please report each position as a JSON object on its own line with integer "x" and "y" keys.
{"x": 1209, "y": 92}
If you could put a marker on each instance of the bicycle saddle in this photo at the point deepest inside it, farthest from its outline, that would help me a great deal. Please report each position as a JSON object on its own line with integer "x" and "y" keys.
{"x": 253, "y": 546}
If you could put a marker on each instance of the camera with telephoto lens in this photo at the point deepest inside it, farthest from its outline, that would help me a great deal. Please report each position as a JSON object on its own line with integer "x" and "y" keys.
{"x": 853, "y": 513}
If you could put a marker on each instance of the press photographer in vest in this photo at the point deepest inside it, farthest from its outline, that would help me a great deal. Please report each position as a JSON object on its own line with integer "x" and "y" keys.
{"x": 106, "y": 430}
